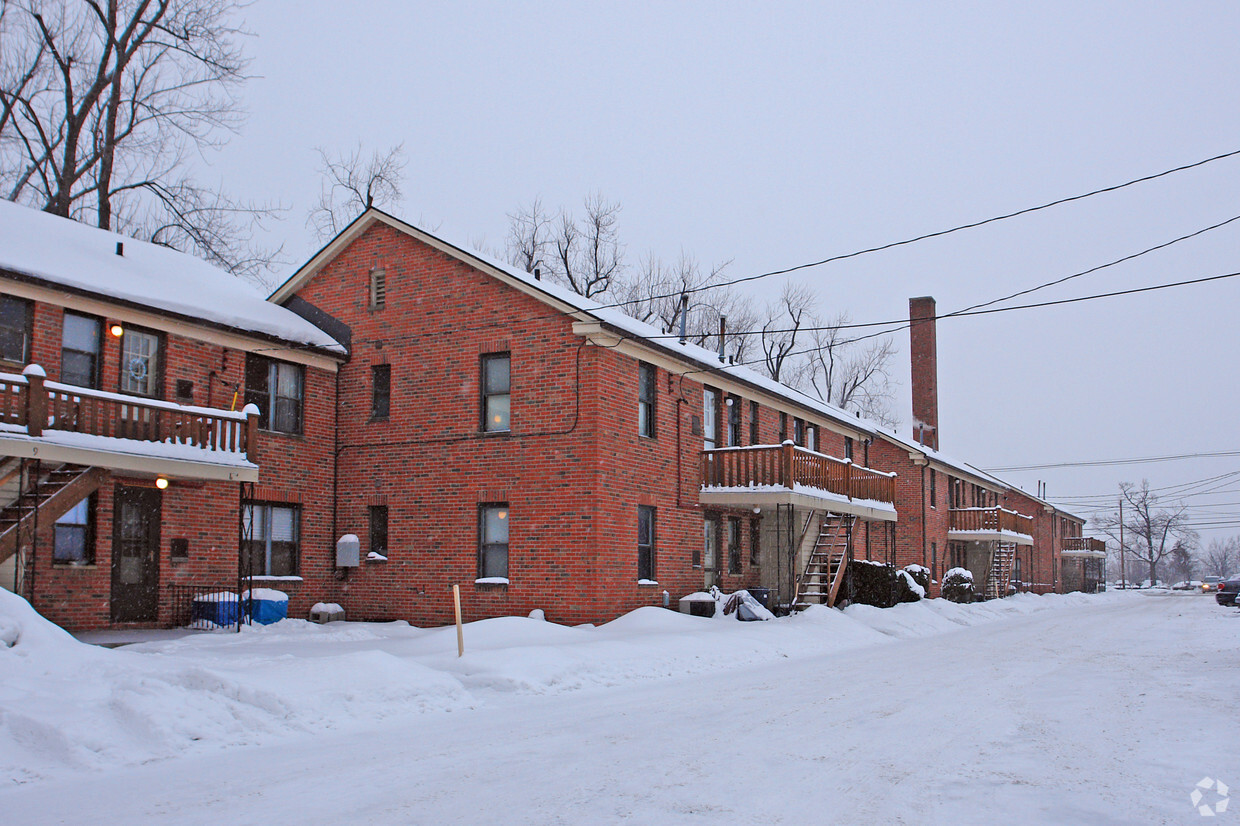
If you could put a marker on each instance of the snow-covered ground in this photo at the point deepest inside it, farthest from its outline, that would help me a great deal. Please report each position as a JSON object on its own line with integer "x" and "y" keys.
{"x": 1100, "y": 709}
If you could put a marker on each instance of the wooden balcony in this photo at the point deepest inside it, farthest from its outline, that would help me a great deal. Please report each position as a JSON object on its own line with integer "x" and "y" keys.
{"x": 65, "y": 423}
{"x": 990, "y": 525}
{"x": 767, "y": 475}
{"x": 1084, "y": 546}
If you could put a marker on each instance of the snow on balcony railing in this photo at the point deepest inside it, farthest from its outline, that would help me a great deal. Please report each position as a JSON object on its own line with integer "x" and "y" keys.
{"x": 992, "y": 520}
{"x": 31, "y": 401}
{"x": 1084, "y": 544}
{"x": 787, "y": 466}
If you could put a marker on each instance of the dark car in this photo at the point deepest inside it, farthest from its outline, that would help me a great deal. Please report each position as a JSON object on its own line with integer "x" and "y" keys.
{"x": 1226, "y": 594}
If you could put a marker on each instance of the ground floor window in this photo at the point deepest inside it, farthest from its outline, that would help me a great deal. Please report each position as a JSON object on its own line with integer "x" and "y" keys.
{"x": 710, "y": 543}
{"x": 755, "y": 543}
{"x": 379, "y": 530}
{"x": 75, "y": 536}
{"x": 645, "y": 541}
{"x": 271, "y": 544}
{"x": 734, "y": 546}
{"x": 493, "y": 541}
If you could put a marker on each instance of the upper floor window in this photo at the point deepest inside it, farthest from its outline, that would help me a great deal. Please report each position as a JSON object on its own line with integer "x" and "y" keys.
{"x": 79, "y": 350}
{"x": 798, "y": 431}
{"x": 271, "y": 544}
{"x": 753, "y": 423}
{"x": 848, "y": 448}
{"x": 493, "y": 541}
{"x": 496, "y": 392}
{"x": 380, "y": 391}
{"x": 734, "y": 421}
{"x": 14, "y": 329}
{"x": 277, "y": 388}
{"x": 141, "y": 363}
{"x": 710, "y": 418}
{"x": 934, "y": 495}
{"x": 646, "y": 387}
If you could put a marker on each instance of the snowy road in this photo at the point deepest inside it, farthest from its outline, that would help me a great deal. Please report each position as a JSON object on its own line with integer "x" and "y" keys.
{"x": 1101, "y": 713}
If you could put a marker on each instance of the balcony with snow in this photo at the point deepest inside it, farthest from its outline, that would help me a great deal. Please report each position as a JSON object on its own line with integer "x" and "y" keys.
{"x": 760, "y": 476}
{"x": 994, "y": 524}
{"x": 64, "y": 423}
{"x": 1084, "y": 547}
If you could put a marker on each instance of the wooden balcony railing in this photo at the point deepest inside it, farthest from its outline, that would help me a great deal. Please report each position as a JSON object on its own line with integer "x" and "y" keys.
{"x": 992, "y": 520}
{"x": 39, "y": 405}
{"x": 1087, "y": 544}
{"x": 787, "y": 465}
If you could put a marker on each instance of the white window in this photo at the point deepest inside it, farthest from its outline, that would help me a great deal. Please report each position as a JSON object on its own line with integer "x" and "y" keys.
{"x": 270, "y": 547}
{"x": 140, "y": 363}
{"x": 493, "y": 541}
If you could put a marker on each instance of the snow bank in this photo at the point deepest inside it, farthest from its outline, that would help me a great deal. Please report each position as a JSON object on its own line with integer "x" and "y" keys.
{"x": 67, "y": 707}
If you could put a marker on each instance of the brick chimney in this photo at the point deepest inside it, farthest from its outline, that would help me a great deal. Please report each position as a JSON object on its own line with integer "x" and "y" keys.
{"x": 924, "y": 358}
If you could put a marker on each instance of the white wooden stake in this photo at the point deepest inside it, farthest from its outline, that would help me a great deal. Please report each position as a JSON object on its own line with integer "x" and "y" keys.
{"x": 460, "y": 631}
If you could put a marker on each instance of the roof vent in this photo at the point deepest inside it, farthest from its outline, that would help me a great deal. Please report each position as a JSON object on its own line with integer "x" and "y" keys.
{"x": 120, "y": 248}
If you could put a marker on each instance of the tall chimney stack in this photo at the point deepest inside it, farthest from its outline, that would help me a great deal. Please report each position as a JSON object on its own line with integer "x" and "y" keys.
{"x": 921, "y": 313}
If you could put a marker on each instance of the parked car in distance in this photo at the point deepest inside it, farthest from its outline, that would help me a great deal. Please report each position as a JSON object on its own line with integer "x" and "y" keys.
{"x": 1211, "y": 583}
{"x": 1157, "y": 583}
{"x": 1226, "y": 594}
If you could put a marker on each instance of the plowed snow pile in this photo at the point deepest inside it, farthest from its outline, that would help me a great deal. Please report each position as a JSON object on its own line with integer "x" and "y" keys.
{"x": 66, "y": 706}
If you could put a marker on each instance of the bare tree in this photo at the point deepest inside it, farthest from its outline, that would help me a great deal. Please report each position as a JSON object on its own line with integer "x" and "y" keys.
{"x": 1222, "y": 557}
{"x": 848, "y": 377}
{"x": 102, "y": 103}
{"x": 352, "y": 184}
{"x": 785, "y": 318}
{"x": 1150, "y": 532}
{"x": 584, "y": 254}
{"x": 529, "y": 236}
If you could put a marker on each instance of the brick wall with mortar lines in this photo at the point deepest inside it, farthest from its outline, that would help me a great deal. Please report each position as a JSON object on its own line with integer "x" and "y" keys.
{"x": 429, "y": 462}
{"x": 204, "y": 513}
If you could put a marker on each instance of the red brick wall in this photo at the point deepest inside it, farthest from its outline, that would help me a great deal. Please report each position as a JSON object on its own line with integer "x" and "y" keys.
{"x": 293, "y": 469}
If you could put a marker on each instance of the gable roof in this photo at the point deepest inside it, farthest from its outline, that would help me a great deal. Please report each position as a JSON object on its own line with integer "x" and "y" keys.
{"x": 73, "y": 257}
{"x": 699, "y": 359}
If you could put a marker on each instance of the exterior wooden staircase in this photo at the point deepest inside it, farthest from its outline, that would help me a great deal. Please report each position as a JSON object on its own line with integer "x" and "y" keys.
{"x": 1001, "y": 561}
{"x": 824, "y": 571}
{"x": 51, "y": 495}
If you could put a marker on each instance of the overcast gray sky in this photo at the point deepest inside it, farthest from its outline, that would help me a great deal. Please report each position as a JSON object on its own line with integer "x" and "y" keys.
{"x": 775, "y": 134}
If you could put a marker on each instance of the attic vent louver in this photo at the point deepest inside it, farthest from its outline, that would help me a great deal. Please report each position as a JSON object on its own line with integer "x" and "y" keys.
{"x": 378, "y": 288}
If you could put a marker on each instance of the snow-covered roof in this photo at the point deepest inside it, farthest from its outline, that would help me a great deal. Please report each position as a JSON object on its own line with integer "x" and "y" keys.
{"x": 707, "y": 361}
{"x": 58, "y": 251}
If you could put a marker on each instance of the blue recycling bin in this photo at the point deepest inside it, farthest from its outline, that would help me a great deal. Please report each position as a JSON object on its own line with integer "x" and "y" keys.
{"x": 220, "y": 608}
{"x": 265, "y": 605}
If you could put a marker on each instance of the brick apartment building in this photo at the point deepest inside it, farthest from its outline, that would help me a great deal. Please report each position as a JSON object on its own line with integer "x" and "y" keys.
{"x": 470, "y": 423}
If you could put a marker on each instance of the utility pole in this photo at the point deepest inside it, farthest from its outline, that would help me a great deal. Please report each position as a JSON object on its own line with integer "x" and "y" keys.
{"x": 1122, "y": 576}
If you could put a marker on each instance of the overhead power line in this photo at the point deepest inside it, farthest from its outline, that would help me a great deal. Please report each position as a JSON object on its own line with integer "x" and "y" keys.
{"x": 937, "y": 233}
{"x": 1113, "y": 462}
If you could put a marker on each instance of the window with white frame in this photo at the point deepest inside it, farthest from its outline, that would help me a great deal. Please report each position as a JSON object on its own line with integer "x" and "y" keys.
{"x": 74, "y": 535}
{"x": 141, "y": 363}
{"x": 493, "y": 541}
{"x": 277, "y": 388}
{"x": 645, "y": 542}
{"x": 646, "y": 395}
{"x": 79, "y": 350}
{"x": 496, "y": 392}
{"x": 270, "y": 547}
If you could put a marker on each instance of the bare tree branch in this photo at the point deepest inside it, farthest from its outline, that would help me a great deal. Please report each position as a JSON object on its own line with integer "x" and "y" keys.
{"x": 352, "y": 185}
